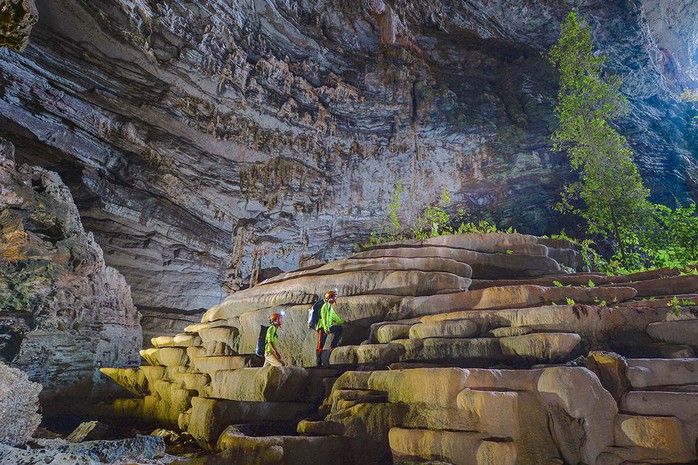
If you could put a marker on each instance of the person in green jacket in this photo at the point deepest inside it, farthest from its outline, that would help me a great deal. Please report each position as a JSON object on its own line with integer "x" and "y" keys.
{"x": 272, "y": 356}
{"x": 326, "y": 325}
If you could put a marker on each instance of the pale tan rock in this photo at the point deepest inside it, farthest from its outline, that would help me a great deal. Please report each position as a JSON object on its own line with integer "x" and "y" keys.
{"x": 438, "y": 386}
{"x": 213, "y": 364}
{"x": 153, "y": 373}
{"x": 194, "y": 352}
{"x": 133, "y": 379}
{"x": 285, "y": 450}
{"x": 210, "y": 417}
{"x": 198, "y": 382}
{"x": 682, "y": 405}
{"x": 675, "y": 332}
{"x": 653, "y": 373}
{"x": 675, "y": 285}
{"x": 611, "y": 369}
{"x": 383, "y": 354}
{"x": 540, "y": 346}
{"x": 320, "y": 428}
{"x": 226, "y": 334}
{"x": 162, "y": 341}
{"x": 388, "y": 332}
{"x": 172, "y": 356}
{"x": 427, "y": 264}
{"x": 447, "y": 328}
{"x": 152, "y": 356}
{"x": 128, "y": 408}
{"x": 306, "y": 289}
{"x": 451, "y": 349}
{"x": 665, "y": 434}
{"x": 494, "y": 411}
{"x": 508, "y": 331}
{"x": 591, "y": 322}
{"x": 268, "y": 384}
{"x": 517, "y": 296}
{"x": 582, "y": 418}
{"x": 186, "y": 340}
{"x": 206, "y": 324}
{"x": 496, "y": 453}
{"x": 458, "y": 448}
{"x": 217, "y": 349}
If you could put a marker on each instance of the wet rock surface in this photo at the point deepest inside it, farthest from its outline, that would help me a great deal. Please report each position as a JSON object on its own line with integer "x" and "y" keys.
{"x": 257, "y": 135}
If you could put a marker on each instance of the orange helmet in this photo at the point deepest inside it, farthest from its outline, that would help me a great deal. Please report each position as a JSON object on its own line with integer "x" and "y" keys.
{"x": 331, "y": 296}
{"x": 275, "y": 317}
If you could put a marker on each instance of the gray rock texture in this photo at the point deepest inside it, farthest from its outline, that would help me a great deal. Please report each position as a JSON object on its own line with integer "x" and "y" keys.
{"x": 63, "y": 312}
{"x": 209, "y": 142}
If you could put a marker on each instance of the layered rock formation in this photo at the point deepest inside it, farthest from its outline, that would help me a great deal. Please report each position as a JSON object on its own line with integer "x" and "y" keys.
{"x": 449, "y": 357}
{"x": 63, "y": 312}
{"x": 207, "y": 142}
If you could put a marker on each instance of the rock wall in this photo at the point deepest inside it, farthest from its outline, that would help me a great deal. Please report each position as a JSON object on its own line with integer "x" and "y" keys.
{"x": 211, "y": 141}
{"x": 63, "y": 312}
{"x": 516, "y": 372}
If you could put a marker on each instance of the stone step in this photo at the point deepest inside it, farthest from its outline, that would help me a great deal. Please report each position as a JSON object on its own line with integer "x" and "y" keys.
{"x": 455, "y": 447}
{"x": 674, "y": 285}
{"x": 269, "y": 384}
{"x": 659, "y": 350}
{"x": 504, "y": 297}
{"x": 485, "y": 265}
{"x": 367, "y": 354}
{"x": 166, "y": 356}
{"x": 675, "y": 332}
{"x": 662, "y": 434}
{"x": 646, "y": 374}
{"x": 288, "y": 450}
{"x": 461, "y": 328}
{"x": 232, "y": 362}
{"x": 681, "y": 405}
{"x": 208, "y": 418}
{"x": 640, "y": 456}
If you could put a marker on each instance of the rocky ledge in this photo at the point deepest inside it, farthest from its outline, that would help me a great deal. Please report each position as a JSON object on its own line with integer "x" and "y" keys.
{"x": 475, "y": 350}
{"x": 63, "y": 312}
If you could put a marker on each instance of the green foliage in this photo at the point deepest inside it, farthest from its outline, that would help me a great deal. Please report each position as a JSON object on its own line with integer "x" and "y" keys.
{"x": 557, "y": 283}
{"x": 569, "y": 300}
{"x": 19, "y": 283}
{"x": 678, "y": 304}
{"x": 591, "y": 283}
{"x": 610, "y": 186}
{"x": 433, "y": 221}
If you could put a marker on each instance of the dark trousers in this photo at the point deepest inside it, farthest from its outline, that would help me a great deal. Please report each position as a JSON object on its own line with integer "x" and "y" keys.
{"x": 336, "y": 330}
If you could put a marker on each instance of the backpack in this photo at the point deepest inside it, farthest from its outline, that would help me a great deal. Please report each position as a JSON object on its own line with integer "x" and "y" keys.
{"x": 314, "y": 314}
{"x": 261, "y": 341}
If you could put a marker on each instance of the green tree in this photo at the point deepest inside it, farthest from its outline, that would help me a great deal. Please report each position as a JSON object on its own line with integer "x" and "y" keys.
{"x": 614, "y": 199}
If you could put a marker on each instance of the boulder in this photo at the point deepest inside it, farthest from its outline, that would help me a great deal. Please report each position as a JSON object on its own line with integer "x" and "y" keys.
{"x": 582, "y": 412}
{"x": 388, "y": 332}
{"x": 645, "y": 374}
{"x": 675, "y": 332}
{"x": 475, "y": 350}
{"x": 380, "y": 354}
{"x": 681, "y": 405}
{"x": 455, "y": 447}
{"x": 228, "y": 335}
{"x": 88, "y": 431}
{"x": 320, "y": 428}
{"x": 447, "y": 328}
{"x": 231, "y": 362}
{"x": 509, "y": 331}
{"x": 661, "y": 434}
{"x": 268, "y": 384}
{"x": 611, "y": 369}
{"x": 437, "y": 386}
{"x": 496, "y": 453}
{"x": 186, "y": 340}
{"x": 674, "y": 285}
{"x": 210, "y": 417}
{"x": 546, "y": 347}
